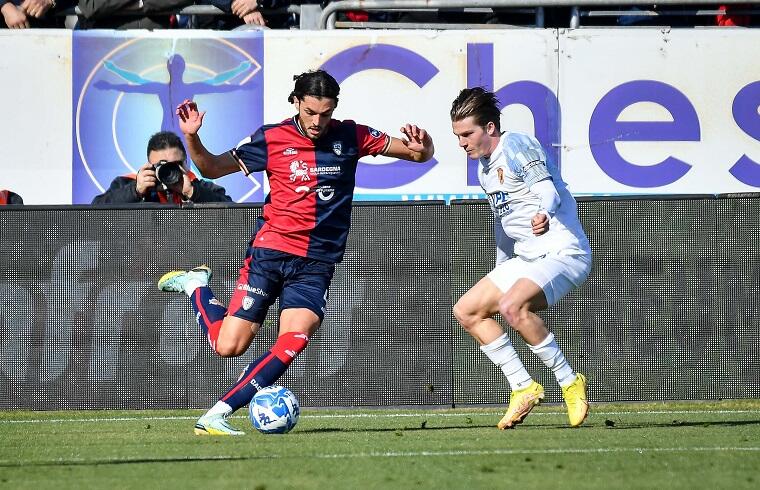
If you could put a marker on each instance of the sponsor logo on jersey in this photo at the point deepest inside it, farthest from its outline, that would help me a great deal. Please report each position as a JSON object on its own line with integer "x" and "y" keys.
{"x": 250, "y": 289}
{"x": 299, "y": 168}
{"x": 248, "y": 303}
{"x": 325, "y": 192}
{"x": 337, "y": 147}
{"x": 288, "y": 152}
{"x": 499, "y": 203}
{"x": 374, "y": 132}
{"x": 331, "y": 170}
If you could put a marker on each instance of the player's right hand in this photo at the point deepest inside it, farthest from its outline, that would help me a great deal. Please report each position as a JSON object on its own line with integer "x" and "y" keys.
{"x": 146, "y": 179}
{"x": 190, "y": 119}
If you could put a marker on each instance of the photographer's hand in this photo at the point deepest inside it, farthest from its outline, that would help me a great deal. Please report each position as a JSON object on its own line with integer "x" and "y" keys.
{"x": 146, "y": 179}
{"x": 185, "y": 190}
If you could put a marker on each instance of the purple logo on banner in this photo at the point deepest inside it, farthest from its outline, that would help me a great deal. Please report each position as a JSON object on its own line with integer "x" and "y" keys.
{"x": 126, "y": 87}
{"x": 404, "y": 62}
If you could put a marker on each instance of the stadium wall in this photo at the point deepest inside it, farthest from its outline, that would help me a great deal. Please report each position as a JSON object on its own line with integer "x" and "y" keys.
{"x": 622, "y": 111}
{"x": 670, "y": 310}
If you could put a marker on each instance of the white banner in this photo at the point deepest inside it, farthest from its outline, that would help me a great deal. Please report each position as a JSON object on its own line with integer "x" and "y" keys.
{"x": 624, "y": 111}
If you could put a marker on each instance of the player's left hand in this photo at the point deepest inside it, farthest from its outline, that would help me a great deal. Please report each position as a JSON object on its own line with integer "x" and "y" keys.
{"x": 540, "y": 224}
{"x": 418, "y": 140}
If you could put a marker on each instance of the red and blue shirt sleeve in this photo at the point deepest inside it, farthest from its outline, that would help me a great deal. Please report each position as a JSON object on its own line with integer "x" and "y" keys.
{"x": 251, "y": 153}
{"x": 370, "y": 141}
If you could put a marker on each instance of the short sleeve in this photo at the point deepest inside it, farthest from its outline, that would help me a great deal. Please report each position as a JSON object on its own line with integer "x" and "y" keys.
{"x": 251, "y": 153}
{"x": 370, "y": 141}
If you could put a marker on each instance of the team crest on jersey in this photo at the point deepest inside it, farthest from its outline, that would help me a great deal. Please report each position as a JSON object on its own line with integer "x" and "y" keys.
{"x": 290, "y": 152}
{"x": 338, "y": 148}
{"x": 298, "y": 168}
{"x": 374, "y": 132}
{"x": 500, "y": 172}
{"x": 247, "y": 303}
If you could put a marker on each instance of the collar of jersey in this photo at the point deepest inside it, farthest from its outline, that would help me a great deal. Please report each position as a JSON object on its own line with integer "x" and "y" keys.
{"x": 495, "y": 155}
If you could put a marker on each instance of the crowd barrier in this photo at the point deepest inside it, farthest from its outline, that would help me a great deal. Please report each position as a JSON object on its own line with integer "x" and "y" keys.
{"x": 670, "y": 310}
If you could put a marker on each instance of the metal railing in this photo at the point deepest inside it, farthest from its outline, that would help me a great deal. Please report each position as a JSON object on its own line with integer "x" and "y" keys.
{"x": 329, "y": 14}
{"x": 314, "y": 17}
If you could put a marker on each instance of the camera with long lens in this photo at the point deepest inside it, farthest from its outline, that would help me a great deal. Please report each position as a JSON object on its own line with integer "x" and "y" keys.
{"x": 168, "y": 173}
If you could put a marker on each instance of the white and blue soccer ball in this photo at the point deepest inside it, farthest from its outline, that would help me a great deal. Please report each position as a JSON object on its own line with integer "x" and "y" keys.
{"x": 274, "y": 410}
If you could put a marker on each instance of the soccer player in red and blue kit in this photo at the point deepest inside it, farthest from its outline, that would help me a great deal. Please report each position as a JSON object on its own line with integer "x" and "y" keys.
{"x": 310, "y": 161}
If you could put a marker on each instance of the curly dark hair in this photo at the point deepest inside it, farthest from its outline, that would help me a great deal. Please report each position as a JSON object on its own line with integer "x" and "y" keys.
{"x": 316, "y": 83}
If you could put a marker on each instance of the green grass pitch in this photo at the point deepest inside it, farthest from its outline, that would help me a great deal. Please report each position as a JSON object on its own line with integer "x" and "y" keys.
{"x": 662, "y": 445}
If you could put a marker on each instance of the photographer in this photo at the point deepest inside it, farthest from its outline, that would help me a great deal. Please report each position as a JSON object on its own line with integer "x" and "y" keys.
{"x": 165, "y": 178}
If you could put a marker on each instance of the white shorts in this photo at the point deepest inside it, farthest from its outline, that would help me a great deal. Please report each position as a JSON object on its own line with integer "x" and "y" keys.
{"x": 556, "y": 274}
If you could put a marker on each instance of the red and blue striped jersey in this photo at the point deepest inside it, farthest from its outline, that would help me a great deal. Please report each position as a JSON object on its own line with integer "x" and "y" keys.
{"x": 311, "y": 184}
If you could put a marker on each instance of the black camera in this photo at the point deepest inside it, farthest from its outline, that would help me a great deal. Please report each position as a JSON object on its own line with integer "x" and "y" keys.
{"x": 168, "y": 173}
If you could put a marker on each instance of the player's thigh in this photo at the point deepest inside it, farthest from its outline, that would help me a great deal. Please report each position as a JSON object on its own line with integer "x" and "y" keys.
{"x": 304, "y": 294}
{"x": 520, "y": 282}
{"x": 481, "y": 301}
{"x": 542, "y": 282}
{"x": 560, "y": 274}
{"x": 259, "y": 285}
{"x": 299, "y": 320}
{"x": 235, "y": 336}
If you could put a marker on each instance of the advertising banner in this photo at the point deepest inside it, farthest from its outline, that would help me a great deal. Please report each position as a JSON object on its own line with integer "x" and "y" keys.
{"x": 621, "y": 111}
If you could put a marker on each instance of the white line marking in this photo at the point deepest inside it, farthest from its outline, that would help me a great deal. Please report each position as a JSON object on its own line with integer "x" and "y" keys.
{"x": 391, "y": 454}
{"x": 430, "y": 414}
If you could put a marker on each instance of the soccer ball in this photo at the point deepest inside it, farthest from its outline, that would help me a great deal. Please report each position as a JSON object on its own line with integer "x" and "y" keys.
{"x": 274, "y": 410}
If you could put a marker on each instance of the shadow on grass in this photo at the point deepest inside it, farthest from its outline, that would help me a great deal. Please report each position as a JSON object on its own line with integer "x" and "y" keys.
{"x": 419, "y": 428}
{"x": 616, "y": 424}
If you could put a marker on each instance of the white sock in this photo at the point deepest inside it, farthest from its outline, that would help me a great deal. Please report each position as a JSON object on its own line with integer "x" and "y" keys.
{"x": 220, "y": 408}
{"x": 503, "y": 354}
{"x": 191, "y": 284}
{"x": 550, "y": 353}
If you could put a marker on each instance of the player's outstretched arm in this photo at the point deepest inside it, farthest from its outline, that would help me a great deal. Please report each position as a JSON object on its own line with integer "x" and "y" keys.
{"x": 417, "y": 146}
{"x": 211, "y": 166}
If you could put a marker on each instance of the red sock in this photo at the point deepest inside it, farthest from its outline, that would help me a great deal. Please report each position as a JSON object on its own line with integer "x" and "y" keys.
{"x": 289, "y": 345}
{"x": 209, "y": 312}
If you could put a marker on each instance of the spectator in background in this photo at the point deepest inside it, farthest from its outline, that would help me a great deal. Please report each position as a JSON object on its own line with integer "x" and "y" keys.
{"x": 9, "y": 197}
{"x": 730, "y": 19}
{"x": 23, "y": 14}
{"x": 239, "y": 13}
{"x": 165, "y": 178}
{"x": 148, "y": 14}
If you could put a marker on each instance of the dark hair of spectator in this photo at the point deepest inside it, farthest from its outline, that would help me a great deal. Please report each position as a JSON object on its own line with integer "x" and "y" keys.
{"x": 164, "y": 140}
{"x": 479, "y": 103}
{"x": 315, "y": 83}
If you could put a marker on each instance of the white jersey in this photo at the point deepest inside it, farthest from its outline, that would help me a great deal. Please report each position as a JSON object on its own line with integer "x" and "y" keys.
{"x": 517, "y": 163}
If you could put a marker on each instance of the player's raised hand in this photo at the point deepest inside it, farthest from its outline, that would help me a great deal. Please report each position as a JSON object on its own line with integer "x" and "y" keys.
{"x": 418, "y": 140}
{"x": 190, "y": 119}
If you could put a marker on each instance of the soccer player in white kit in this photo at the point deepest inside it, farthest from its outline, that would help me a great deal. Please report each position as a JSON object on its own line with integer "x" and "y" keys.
{"x": 542, "y": 253}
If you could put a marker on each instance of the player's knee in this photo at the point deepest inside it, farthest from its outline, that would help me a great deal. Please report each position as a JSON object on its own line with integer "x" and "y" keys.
{"x": 513, "y": 311}
{"x": 465, "y": 315}
{"x": 229, "y": 349}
